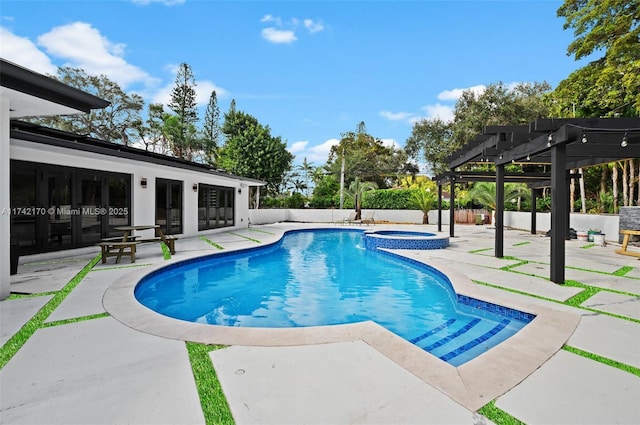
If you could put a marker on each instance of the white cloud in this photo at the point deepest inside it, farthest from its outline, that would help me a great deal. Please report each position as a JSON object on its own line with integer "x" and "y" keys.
{"x": 455, "y": 94}
{"x": 277, "y": 36}
{"x": 203, "y": 93}
{"x": 84, "y": 47}
{"x": 271, "y": 18}
{"x": 298, "y": 147}
{"x": 317, "y": 154}
{"x": 313, "y": 26}
{"x": 396, "y": 116}
{"x": 443, "y": 112}
{"x": 24, "y": 52}
{"x": 391, "y": 143}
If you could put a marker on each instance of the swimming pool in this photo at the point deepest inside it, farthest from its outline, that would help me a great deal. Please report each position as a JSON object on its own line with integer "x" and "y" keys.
{"x": 327, "y": 277}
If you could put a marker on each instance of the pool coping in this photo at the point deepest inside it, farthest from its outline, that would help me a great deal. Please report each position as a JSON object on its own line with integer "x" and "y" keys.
{"x": 472, "y": 384}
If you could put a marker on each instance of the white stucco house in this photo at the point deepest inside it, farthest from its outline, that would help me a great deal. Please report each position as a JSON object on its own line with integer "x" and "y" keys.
{"x": 61, "y": 190}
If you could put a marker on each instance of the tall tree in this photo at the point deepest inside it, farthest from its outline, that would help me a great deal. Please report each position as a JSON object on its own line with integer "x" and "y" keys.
{"x": 367, "y": 158}
{"x": 116, "y": 123}
{"x": 356, "y": 192}
{"x": 610, "y": 27}
{"x": 183, "y": 103}
{"x": 432, "y": 140}
{"x": 211, "y": 129}
{"x": 250, "y": 150}
{"x": 153, "y": 134}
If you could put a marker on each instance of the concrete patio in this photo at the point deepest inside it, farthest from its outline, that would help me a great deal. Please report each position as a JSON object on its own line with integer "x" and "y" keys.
{"x": 81, "y": 365}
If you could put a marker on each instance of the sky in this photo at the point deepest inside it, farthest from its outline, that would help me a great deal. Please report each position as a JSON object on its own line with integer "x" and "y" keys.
{"x": 310, "y": 70}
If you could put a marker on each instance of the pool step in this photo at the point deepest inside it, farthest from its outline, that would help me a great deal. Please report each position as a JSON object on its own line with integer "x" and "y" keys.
{"x": 455, "y": 340}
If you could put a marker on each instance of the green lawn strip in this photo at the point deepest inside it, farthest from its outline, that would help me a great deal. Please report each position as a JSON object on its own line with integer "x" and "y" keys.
{"x": 75, "y": 320}
{"x": 521, "y": 243}
{"x": 261, "y": 231}
{"x": 212, "y": 243}
{"x": 125, "y": 266}
{"x": 246, "y": 237}
{"x": 605, "y": 360}
{"x": 214, "y": 404}
{"x": 497, "y": 415}
{"x": 166, "y": 253}
{"x": 515, "y": 291}
{"x": 475, "y": 251}
{"x": 39, "y": 294}
{"x": 11, "y": 347}
{"x": 623, "y": 271}
{"x": 591, "y": 245}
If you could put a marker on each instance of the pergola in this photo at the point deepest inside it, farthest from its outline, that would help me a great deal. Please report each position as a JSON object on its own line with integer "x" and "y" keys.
{"x": 564, "y": 144}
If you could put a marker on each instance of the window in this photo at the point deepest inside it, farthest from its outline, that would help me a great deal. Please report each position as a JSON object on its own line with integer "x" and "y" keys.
{"x": 215, "y": 207}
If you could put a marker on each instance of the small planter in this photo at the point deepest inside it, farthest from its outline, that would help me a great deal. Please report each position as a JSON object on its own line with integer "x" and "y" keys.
{"x": 598, "y": 239}
{"x": 591, "y": 233}
{"x": 582, "y": 235}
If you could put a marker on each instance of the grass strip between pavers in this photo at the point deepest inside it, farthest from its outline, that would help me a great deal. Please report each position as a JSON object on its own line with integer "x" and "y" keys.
{"x": 622, "y": 271}
{"x": 497, "y": 415}
{"x": 521, "y": 243}
{"x": 166, "y": 253}
{"x": 38, "y": 294}
{"x": 75, "y": 320}
{"x": 246, "y": 237}
{"x": 605, "y": 360}
{"x": 11, "y": 347}
{"x": 214, "y": 404}
{"x": 591, "y": 245}
{"x": 212, "y": 243}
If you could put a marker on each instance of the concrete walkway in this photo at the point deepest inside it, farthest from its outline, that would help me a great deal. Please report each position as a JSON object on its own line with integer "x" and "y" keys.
{"x": 77, "y": 364}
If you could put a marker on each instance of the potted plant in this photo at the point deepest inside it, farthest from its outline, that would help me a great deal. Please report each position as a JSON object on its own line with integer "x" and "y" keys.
{"x": 592, "y": 232}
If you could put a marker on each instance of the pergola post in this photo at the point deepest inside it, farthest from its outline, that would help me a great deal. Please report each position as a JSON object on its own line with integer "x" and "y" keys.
{"x": 439, "y": 208}
{"x": 534, "y": 210}
{"x": 559, "y": 214}
{"x": 499, "y": 224}
{"x": 452, "y": 211}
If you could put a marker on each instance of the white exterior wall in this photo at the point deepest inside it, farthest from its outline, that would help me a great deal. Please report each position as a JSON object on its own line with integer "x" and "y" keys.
{"x": 608, "y": 224}
{"x": 5, "y": 190}
{"x": 143, "y": 199}
{"x": 334, "y": 215}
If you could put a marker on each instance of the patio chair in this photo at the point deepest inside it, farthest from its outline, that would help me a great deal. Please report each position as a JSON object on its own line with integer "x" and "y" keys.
{"x": 351, "y": 219}
{"x": 368, "y": 219}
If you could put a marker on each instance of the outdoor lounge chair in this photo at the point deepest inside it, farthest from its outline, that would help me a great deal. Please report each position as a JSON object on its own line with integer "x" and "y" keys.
{"x": 368, "y": 219}
{"x": 351, "y": 219}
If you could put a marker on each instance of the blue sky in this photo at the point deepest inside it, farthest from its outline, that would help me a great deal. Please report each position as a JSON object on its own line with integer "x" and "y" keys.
{"x": 311, "y": 70}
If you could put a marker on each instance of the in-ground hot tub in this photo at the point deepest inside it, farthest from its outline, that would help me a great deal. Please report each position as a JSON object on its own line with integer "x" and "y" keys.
{"x": 399, "y": 239}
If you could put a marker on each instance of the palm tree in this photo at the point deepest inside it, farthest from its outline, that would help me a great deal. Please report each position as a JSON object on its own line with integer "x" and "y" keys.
{"x": 356, "y": 192}
{"x": 484, "y": 193}
{"x": 425, "y": 201}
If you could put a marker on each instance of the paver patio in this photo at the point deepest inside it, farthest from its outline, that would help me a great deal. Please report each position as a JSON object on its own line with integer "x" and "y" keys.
{"x": 101, "y": 371}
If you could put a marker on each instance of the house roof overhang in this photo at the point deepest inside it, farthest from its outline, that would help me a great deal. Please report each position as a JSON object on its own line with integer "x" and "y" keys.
{"x": 33, "y": 94}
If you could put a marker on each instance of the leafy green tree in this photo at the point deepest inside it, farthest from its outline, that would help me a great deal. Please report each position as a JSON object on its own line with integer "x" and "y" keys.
{"x": 325, "y": 191}
{"x": 431, "y": 139}
{"x": 211, "y": 129}
{"x": 367, "y": 158}
{"x": 250, "y": 150}
{"x": 183, "y": 103}
{"x": 356, "y": 192}
{"x": 609, "y": 85}
{"x": 119, "y": 122}
{"x": 498, "y": 104}
{"x": 425, "y": 201}
{"x": 152, "y": 133}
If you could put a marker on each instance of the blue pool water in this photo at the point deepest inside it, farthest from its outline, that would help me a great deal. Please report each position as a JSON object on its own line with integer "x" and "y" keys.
{"x": 326, "y": 277}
